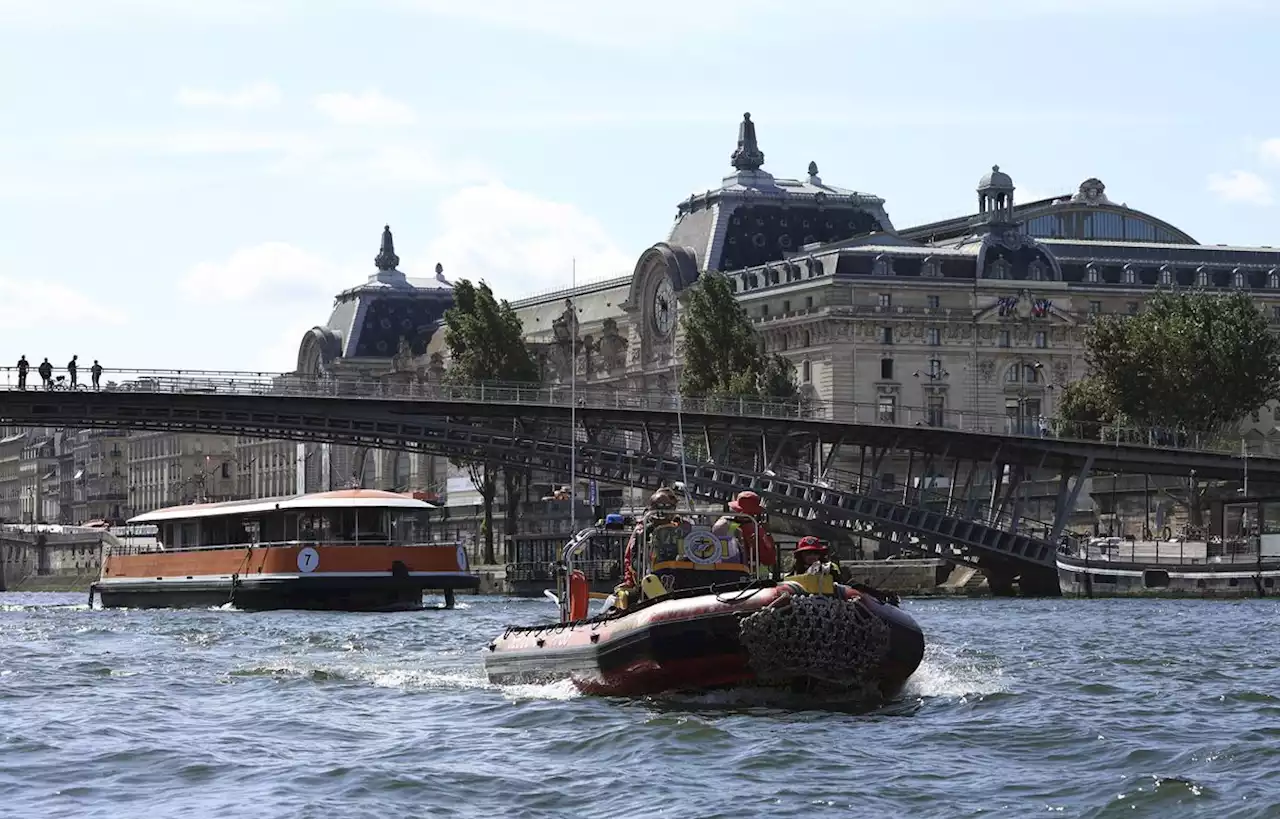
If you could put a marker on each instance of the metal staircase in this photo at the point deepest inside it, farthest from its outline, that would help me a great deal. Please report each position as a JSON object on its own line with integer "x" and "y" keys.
{"x": 964, "y": 532}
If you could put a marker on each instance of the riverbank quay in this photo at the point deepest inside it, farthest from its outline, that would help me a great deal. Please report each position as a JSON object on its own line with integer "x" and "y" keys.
{"x": 906, "y": 578}
{"x": 32, "y": 559}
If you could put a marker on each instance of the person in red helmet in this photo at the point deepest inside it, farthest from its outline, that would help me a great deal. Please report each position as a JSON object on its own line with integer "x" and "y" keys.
{"x": 747, "y": 527}
{"x": 809, "y": 552}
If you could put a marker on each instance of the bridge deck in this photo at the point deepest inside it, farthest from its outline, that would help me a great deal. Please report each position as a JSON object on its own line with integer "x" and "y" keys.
{"x": 953, "y": 434}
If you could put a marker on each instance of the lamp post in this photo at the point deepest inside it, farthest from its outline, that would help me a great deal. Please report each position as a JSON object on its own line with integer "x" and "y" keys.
{"x": 933, "y": 413}
{"x": 1025, "y": 370}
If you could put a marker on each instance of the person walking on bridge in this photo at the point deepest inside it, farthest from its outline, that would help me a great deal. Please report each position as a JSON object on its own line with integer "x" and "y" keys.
{"x": 23, "y": 367}
{"x": 71, "y": 371}
{"x": 46, "y": 373}
{"x": 95, "y": 372}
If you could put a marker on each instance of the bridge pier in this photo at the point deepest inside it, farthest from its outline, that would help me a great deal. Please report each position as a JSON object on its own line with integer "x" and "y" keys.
{"x": 1006, "y": 579}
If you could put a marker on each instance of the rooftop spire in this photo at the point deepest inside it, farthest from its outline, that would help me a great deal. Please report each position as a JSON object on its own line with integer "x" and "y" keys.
{"x": 748, "y": 156}
{"x": 387, "y": 258}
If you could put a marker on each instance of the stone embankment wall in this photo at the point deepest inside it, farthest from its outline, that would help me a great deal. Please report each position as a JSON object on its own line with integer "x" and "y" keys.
{"x": 49, "y": 561}
{"x": 916, "y": 578}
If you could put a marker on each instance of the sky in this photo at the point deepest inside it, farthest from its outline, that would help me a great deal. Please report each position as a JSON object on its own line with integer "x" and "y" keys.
{"x": 188, "y": 183}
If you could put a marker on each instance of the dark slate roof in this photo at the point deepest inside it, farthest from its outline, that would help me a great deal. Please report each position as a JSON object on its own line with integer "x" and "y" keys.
{"x": 370, "y": 319}
{"x": 754, "y": 218}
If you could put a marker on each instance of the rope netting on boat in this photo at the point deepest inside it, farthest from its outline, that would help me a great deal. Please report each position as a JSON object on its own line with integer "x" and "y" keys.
{"x": 820, "y": 638}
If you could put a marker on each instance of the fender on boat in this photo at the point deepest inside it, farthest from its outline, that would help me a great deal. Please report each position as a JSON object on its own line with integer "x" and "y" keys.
{"x": 579, "y": 595}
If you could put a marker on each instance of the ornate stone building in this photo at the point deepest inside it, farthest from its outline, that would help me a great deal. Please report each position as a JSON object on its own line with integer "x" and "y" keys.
{"x": 377, "y": 330}
{"x": 975, "y": 321}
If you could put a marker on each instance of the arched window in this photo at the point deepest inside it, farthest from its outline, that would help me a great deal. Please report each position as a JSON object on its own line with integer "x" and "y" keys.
{"x": 1130, "y": 274}
{"x": 1091, "y": 273}
{"x": 1273, "y": 279}
{"x": 1166, "y": 275}
{"x": 1202, "y": 277}
{"x": 1022, "y": 372}
{"x": 1237, "y": 279}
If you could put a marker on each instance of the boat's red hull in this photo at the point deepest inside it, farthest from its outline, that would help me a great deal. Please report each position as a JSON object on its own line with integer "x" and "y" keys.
{"x": 685, "y": 643}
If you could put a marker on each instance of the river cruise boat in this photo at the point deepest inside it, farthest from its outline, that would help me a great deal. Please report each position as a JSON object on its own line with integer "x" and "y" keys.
{"x": 1238, "y": 557}
{"x": 345, "y": 550}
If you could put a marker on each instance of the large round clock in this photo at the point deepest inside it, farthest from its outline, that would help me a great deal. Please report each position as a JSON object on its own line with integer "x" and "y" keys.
{"x": 664, "y": 307}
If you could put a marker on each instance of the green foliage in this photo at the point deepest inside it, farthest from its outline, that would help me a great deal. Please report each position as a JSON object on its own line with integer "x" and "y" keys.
{"x": 721, "y": 350}
{"x": 1188, "y": 360}
{"x": 486, "y": 343}
{"x": 1085, "y": 407}
{"x": 485, "y": 338}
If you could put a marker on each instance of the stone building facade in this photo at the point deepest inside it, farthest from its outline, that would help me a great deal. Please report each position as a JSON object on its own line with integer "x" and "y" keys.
{"x": 974, "y": 322}
{"x": 378, "y": 331}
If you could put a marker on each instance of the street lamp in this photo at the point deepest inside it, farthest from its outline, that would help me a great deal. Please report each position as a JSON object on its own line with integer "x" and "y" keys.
{"x": 933, "y": 400}
{"x": 1025, "y": 371}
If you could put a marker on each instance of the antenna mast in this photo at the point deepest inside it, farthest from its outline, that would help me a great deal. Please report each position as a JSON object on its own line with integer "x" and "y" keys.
{"x": 684, "y": 466}
{"x": 573, "y": 399}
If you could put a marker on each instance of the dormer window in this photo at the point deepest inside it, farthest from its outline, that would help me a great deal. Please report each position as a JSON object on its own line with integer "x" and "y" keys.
{"x": 1035, "y": 271}
{"x": 1237, "y": 279}
{"x": 930, "y": 268}
{"x": 883, "y": 265}
{"x": 1166, "y": 275}
{"x": 1130, "y": 274}
{"x": 1091, "y": 273}
{"x": 1000, "y": 269}
{"x": 1202, "y": 277}
{"x": 1273, "y": 279}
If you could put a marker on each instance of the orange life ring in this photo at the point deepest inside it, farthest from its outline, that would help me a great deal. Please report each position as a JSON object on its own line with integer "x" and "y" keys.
{"x": 579, "y": 595}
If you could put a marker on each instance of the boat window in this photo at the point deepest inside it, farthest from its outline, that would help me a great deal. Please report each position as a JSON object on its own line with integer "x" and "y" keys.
{"x": 410, "y": 526}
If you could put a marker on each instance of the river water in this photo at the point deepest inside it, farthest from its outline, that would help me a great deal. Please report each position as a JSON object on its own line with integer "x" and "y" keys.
{"x": 1022, "y": 707}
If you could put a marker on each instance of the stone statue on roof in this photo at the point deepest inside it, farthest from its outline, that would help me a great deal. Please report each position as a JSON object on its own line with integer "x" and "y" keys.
{"x": 747, "y": 156}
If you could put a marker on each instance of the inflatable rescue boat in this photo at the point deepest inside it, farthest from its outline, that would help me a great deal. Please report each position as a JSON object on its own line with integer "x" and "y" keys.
{"x": 744, "y": 625}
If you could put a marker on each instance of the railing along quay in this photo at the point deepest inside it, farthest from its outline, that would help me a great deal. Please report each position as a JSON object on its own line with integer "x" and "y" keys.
{"x": 230, "y": 382}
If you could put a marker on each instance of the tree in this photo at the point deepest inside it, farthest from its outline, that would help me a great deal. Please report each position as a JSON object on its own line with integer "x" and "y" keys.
{"x": 486, "y": 343}
{"x": 1085, "y": 407}
{"x": 1190, "y": 361}
{"x": 722, "y": 352}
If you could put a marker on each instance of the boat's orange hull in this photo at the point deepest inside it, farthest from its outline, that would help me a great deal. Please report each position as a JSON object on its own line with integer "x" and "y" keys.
{"x": 285, "y": 576}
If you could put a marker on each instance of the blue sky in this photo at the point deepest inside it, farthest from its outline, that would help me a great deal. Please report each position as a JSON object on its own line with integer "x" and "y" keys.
{"x": 188, "y": 182}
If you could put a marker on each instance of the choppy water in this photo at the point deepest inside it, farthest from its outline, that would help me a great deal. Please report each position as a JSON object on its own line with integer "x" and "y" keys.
{"x": 1071, "y": 708}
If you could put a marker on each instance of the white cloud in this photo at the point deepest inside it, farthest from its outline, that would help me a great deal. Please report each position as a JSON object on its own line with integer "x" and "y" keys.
{"x": 340, "y": 157}
{"x": 519, "y": 243}
{"x": 1269, "y": 151}
{"x": 1240, "y": 186}
{"x": 212, "y": 141}
{"x": 36, "y": 304}
{"x": 66, "y": 13}
{"x": 370, "y": 107}
{"x": 257, "y": 95}
{"x": 275, "y": 273}
{"x": 649, "y": 26}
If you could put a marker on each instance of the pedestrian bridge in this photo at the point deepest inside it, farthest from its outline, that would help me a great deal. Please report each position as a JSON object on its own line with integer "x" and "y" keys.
{"x": 967, "y": 531}
{"x": 635, "y": 438}
{"x": 141, "y": 394}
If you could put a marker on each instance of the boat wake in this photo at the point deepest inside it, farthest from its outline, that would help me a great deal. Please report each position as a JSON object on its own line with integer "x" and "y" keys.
{"x": 956, "y": 674}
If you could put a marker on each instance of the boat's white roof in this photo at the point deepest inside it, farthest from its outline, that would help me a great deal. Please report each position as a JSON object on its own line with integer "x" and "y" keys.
{"x": 337, "y": 499}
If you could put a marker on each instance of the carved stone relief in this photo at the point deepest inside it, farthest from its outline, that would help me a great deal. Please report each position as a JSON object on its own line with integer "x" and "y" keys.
{"x": 612, "y": 347}
{"x": 1061, "y": 372}
{"x": 986, "y": 369}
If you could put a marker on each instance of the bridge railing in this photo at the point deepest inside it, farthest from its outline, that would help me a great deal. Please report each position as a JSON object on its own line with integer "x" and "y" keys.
{"x": 407, "y": 388}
